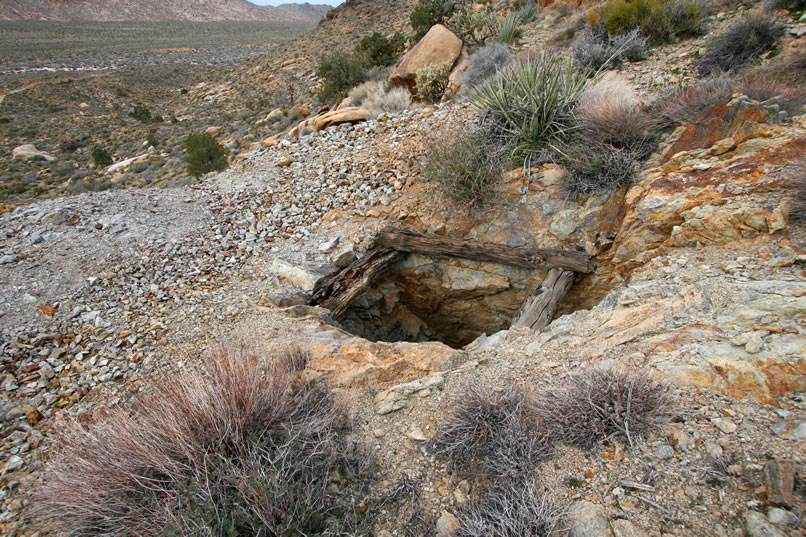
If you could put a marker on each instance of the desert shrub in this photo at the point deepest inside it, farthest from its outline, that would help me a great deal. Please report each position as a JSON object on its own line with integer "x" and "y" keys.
{"x": 70, "y": 146}
{"x": 473, "y": 26}
{"x": 599, "y": 404}
{"x": 597, "y": 167}
{"x": 101, "y": 157}
{"x": 683, "y": 104}
{"x": 510, "y": 510}
{"x": 595, "y": 48}
{"x": 742, "y": 43}
{"x": 485, "y": 63}
{"x": 340, "y": 71}
{"x": 378, "y": 96}
{"x": 377, "y": 49}
{"x": 432, "y": 81}
{"x": 151, "y": 139}
{"x": 141, "y": 113}
{"x": 528, "y": 11}
{"x": 466, "y": 169}
{"x": 660, "y": 21}
{"x": 204, "y": 154}
{"x": 772, "y": 5}
{"x": 508, "y": 31}
{"x": 610, "y": 112}
{"x": 386, "y": 99}
{"x": 493, "y": 431}
{"x": 798, "y": 190}
{"x": 427, "y": 13}
{"x": 530, "y": 103}
{"x": 235, "y": 448}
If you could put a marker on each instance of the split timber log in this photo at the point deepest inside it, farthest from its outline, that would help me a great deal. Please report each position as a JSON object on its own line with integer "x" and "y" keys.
{"x": 337, "y": 290}
{"x": 539, "y": 309}
{"x": 409, "y": 241}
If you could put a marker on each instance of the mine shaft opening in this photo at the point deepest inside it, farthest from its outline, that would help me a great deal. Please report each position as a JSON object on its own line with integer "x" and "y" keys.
{"x": 449, "y": 300}
{"x": 417, "y": 287}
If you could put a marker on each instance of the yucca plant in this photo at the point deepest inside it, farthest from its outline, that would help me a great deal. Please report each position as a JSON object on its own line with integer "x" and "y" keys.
{"x": 508, "y": 31}
{"x": 528, "y": 11}
{"x": 531, "y": 103}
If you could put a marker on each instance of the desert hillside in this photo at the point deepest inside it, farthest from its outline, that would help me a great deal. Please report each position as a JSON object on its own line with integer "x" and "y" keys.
{"x": 156, "y": 10}
{"x": 430, "y": 269}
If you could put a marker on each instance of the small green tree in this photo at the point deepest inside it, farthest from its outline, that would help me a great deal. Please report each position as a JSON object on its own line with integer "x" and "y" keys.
{"x": 427, "y": 14}
{"x": 377, "y": 49}
{"x": 341, "y": 71}
{"x": 204, "y": 155}
{"x": 101, "y": 157}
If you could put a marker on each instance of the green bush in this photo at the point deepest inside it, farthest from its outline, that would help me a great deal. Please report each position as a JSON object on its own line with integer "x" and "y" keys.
{"x": 101, "y": 157}
{"x": 204, "y": 154}
{"x": 142, "y": 114}
{"x": 508, "y": 31}
{"x": 340, "y": 72}
{"x": 531, "y": 102}
{"x": 377, "y": 49}
{"x": 528, "y": 11}
{"x": 660, "y": 21}
{"x": 742, "y": 43}
{"x": 432, "y": 81}
{"x": 474, "y": 27}
{"x": 427, "y": 13}
{"x": 466, "y": 169}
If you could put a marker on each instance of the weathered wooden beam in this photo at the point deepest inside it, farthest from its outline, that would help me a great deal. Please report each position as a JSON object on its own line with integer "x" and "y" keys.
{"x": 337, "y": 290}
{"x": 539, "y": 309}
{"x": 541, "y": 259}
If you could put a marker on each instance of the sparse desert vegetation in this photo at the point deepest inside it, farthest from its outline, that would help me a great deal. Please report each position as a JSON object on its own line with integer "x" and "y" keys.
{"x": 628, "y": 172}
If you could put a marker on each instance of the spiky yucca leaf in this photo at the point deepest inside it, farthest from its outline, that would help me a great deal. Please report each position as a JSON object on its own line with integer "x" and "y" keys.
{"x": 531, "y": 102}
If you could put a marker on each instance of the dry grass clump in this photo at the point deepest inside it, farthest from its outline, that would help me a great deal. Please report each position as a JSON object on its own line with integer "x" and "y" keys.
{"x": 614, "y": 133}
{"x": 798, "y": 189}
{"x": 511, "y": 511}
{"x": 492, "y": 431}
{"x": 599, "y": 404}
{"x": 610, "y": 112}
{"x": 234, "y": 448}
{"x": 378, "y": 97}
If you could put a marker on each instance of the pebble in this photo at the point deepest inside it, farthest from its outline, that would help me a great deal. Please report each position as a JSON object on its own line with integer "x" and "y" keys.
{"x": 726, "y": 426}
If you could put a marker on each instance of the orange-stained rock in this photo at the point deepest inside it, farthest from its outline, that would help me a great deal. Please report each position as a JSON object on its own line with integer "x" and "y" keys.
{"x": 738, "y": 120}
{"x": 439, "y": 45}
{"x": 351, "y": 114}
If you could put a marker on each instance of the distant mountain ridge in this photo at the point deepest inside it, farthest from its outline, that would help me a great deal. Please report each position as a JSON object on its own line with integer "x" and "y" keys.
{"x": 157, "y": 10}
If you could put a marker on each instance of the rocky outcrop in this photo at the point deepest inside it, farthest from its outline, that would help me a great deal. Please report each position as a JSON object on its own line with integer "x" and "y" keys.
{"x": 438, "y": 46}
{"x": 30, "y": 152}
{"x": 328, "y": 118}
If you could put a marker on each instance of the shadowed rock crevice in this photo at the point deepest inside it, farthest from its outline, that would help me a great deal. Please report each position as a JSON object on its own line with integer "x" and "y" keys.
{"x": 422, "y": 298}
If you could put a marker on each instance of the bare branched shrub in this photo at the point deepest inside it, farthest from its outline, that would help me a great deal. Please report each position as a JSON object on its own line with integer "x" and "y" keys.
{"x": 493, "y": 431}
{"x": 511, "y": 510}
{"x": 485, "y": 63}
{"x": 595, "y": 167}
{"x": 683, "y": 104}
{"x": 599, "y": 404}
{"x": 594, "y": 47}
{"x": 742, "y": 43}
{"x": 798, "y": 190}
{"x": 235, "y": 448}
